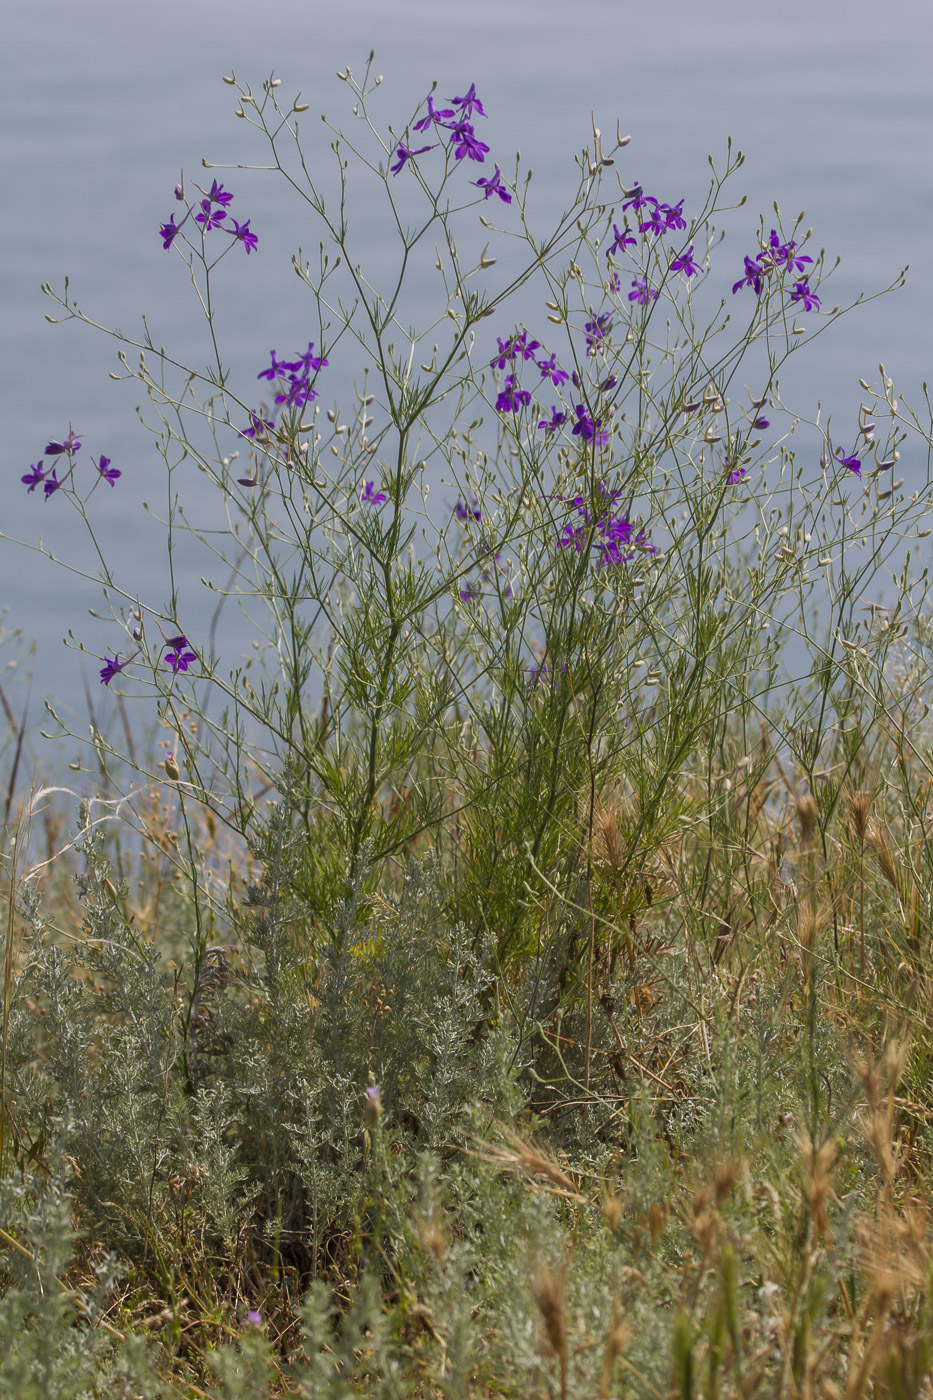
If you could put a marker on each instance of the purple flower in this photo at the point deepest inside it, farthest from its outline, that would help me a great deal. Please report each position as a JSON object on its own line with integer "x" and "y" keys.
{"x": 404, "y": 154}
{"x": 108, "y": 472}
{"x": 254, "y": 1317}
{"x": 614, "y": 284}
{"x": 469, "y": 594}
{"x": 51, "y": 485}
{"x": 641, "y": 292}
{"x": 590, "y": 429}
{"x": 736, "y": 475}
{"x": 209, "y": 216}
{"x": 623, "y": 240}
{"x": 761, "y": 423}
{"x": 851, "y": 461}
{"x": 493, "y": 186}
{"x": 673, "y": 217}
{"x": 518, "y": 344}
{"x": 465, "y": 512}
{"x": 608, "y": 384}
{"x": 465, "y": 142}
{"x": 468, "y": 104}
{"x": 176, "y": 643}
{"x": 782, "y": 254}
{"x": 168, "y": 231}
{"x": 276, "y": 368}
{"x": 612, "y": 536}
{"x": 556, "y": 420}
{"x": 549, "y": 370}
{"x": 597, "y": 332}
{"x": 434, "y": 116}
{"x": 637, "y": 199}
{"x": 801, "y": 292}
{"x": 685, "y": 264}
{"x": 219, "y": 195}
{"x": 369, "y": 496}
{"x": 752, "y": 278}
{"x": 242, "y": 233}
{"x": 258, "y": 427}
{"x": 34, "y": 477}
{"x": 179, "y": 660}
{"x": 71, "y": 444}
{"x": 112, "y": 667}
{"x": 510, "y": 400}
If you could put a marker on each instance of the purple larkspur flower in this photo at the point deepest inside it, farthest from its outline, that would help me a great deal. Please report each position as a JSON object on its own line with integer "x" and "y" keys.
{"x": 613, "y": 537}
{"x": 469, "y": 103}
{"x": 219, "y": 195}
{"x": 556, "y": 420}
{"x": 404, "y": 154}
{"x": 463, "y": 512}
{"x": 176, "y": 643}
{"x": 210, "y": 217}
{"x": 51, "y": 484}
{"x": 516, "y": 345}
{"x": 783, "y": 254}
{"x": 511, "y": 399}
{"x": 168, "y": 231}
{"x": 802, "y": 292}
{"x": 435, "y": 117}
{"x": 108, "y": 472}
{"x": 850, "y": 461}
{"x": 258, "y": 427}
{"x": 465, "y": 142}
{"x": 588, "y": 428}
{"x": 736, "y": 475}
{"x": 242, "y": 234}
{"x": 614, "y": 284}
{"x": 112, "y": 667}
{"x": 549, "y": 370}
{"x": 34, "y": 477}
{"x": 369, "y": 496}
{"x": 624, "y": 238}
{"x": 752, "y": 278}
{"x": 597, "y": 332}
{"x": 71, "y": 444}
{"x": 179, "y": 660}
{"x": 469, "y": 594}
{"x": 686, "y": 264}
{"x": 637, "y": 199}
{"x": 493, "y": 185}
{"x": 641, "y": 292}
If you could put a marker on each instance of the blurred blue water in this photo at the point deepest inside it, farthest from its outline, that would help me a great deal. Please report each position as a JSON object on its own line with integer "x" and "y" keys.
{"x": 102, "y": 103}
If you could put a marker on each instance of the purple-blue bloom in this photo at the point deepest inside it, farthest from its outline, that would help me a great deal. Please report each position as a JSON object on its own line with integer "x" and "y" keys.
{"x": 511, "y": 399}
{"x": 752, "y": 278}
{"x": 612, "y": 536}
{"x": 590, "y": 429}
{"x": 624, "y": 239}
{"x": 258, "y": 427}
{"x": 51, "y": 485}
{"x": 549, "y": 370}
{"x": 556, "y": 420}
{"x": 801, "y": 292}
{"x": 369, "y": 496}
{"x": 209, "y": 216}
{"x": 179, "y": 660}
{"x": 518, "y": 344}
{"x": 34, "y": 477}
{"x": 686, "y": 264}
{"x": 219, "y": 195}
{"x": 71, "y": 444}
{"x": 597, "y": 332}
{"x": 168, "y": 231}
{"x": 851, "y": 461}
{"x": 637, "y": 199}
{"x": 242, "y": 233}
{"x": 641, "y": 292}
{"x": 434, "y": 117}
{"x": 468, "y": 104}
{"x": 404, "y": 153}
{"x": 465, "y": 512}
{"x": 465, "y": 142}
{"x": 108, "y": 472}
{"x": 493, "y": 186}
{"x": 112, "y": 667}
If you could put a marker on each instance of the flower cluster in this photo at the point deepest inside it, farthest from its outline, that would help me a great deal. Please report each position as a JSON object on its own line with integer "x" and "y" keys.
{"x": 178, "y": 657}
{"x": 614, "y": 538}
{"x": 294, "y": 376}
{"x": 462, "y": 137}
{"x": 211, "y": 214}
{"x": 47, "y": 477}
{"x": 776, "y": 256}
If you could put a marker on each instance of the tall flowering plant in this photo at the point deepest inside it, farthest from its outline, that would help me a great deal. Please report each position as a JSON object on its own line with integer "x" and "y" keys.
{"x": 620, "y": 531}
